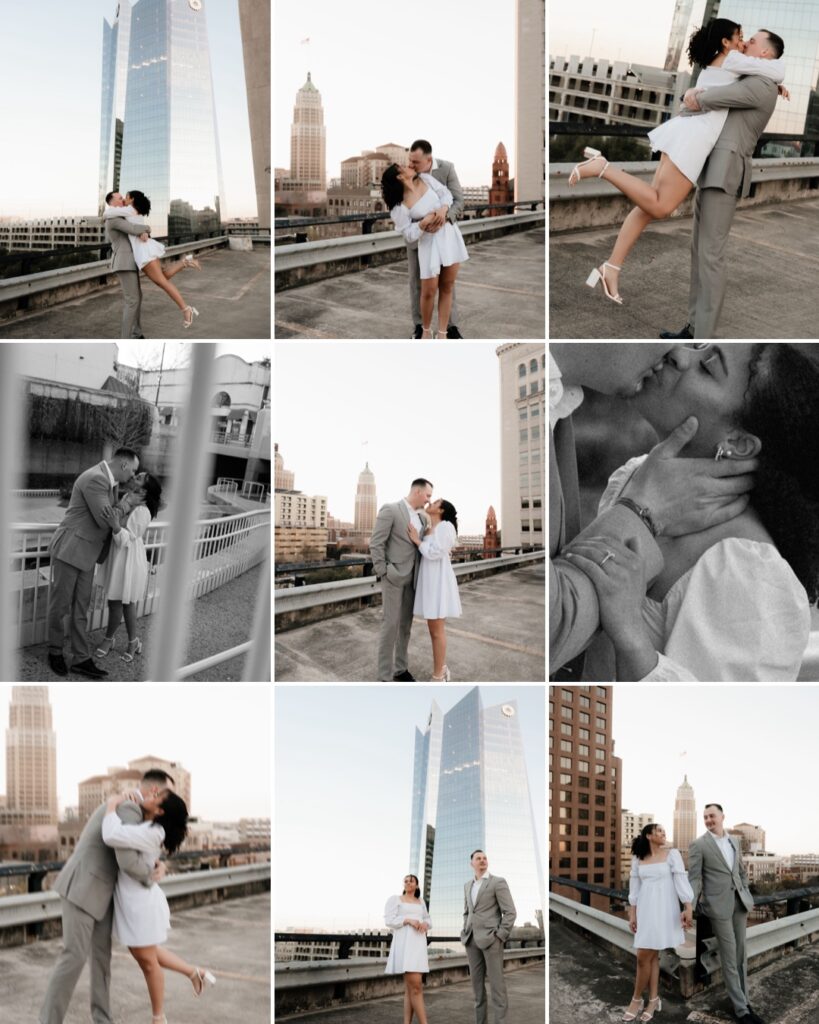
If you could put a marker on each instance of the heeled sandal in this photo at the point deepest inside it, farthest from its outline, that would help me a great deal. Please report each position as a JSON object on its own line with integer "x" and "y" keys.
{"x": 193, "y": 311}
{"x": 628, "y": 1015}
{"x": 599, "y": 274}
{"x": 134, "y": 649}
{"x": 160, "y": 1020}
{"x": 426, "y": 333}
{"x": 100, "y": 653}
{"x": 650, "y": 1016}
{"x": 203, "y": 977}
{"x": 591, "y": 155}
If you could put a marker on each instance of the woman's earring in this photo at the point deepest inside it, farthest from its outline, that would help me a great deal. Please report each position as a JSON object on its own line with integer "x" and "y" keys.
{"x": 722, "y": 453}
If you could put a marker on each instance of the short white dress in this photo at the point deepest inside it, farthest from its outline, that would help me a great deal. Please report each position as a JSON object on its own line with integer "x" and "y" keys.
{"x": 141, "y": 914}
{"x": 657, "y": 890}
{"x": 124, "y": 572}
{"x": 436, "y": 591}
{"x": 688, "y": 140}
{"x": 408, "y": 949}
{"x": 436, "y": 249}
{"x": 144, "y": 252}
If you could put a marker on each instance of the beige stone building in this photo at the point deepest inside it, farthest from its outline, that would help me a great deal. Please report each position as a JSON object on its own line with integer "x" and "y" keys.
{"x": 530, "y": 96}
{"x": 31, "y": 760}
{"x": 300, "y": 544}
{"x": 685, "y": 818}
{"x": 631, "y": 825}
{"x": 294, "y": 509}
{"x": 523, "y": 433}
{"x": 366, "y": 507}
{"x": 180, "y": 775}
{"x": 307, "y": 140}
{"x": 118, "y": 779}
{"x": 752, "y": 836}
{"x": 284, "y": 479}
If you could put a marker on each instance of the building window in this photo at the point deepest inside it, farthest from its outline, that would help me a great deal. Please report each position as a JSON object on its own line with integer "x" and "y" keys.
{"x": 524, "y": 434}
{"x": 583, "y": 781}
{"x": 566, "y": 728}
{"x": 584, "y": 718}
{"x": 566, "y": 712}
{"x": 566, "y": 746}
{"x": 582, "y": 766}
{"x": 522, "y": 370}
{"x": 565, "y": 762}
{"x": 567, "y": 695}
{"x": 583, "y": 750}
{"x": 584, "y": 734}
{"x": 533, "y": 387}
{"x": 533, "y": 366}
{"x": 523, "y": 413}
{"x": 600, "y": 738}
{"x": 585, "y": 702}
{"x": 522, "y": 391}
{"x": 565, "y": 779}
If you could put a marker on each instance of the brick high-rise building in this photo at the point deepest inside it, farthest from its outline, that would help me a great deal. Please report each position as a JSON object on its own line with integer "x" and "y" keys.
{"x": 584, "y": 784}
{"x": 490, "y": 538}
{"x": 685, "y": 818}
{"x": 365, "y": 501}
{"x": 502, "y": 190}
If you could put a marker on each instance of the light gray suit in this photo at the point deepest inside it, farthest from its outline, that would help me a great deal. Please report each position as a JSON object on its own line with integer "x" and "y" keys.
{"x": 124, "y": 266}
{"x": 725, "y": 177}
{"x": 81, "y": 540}
{"x": 445, "y": 173}
{"x": 395, "y": 561}
{"x": 724, "y": 898}
{"x": 86, "y": 885}
{"x": 487, "y": 925}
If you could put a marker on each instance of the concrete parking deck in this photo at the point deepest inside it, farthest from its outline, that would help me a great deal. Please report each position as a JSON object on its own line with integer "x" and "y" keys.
{"x": 232, "y": 294}
{"x": 772, "y": 265}
{"x": 589, "y": 986}
{"x": 451, "y": 1004}
{"x": 500, "y": 293}
{"x": 232, "y": 939}
{"x": 499, "y": 638}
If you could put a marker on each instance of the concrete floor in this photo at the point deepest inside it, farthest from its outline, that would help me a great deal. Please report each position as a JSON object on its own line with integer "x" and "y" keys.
{"x": 500, "y": 292}
{"x": 500, "y": 638}
{"x": 232, "y": 294}
{"x": 772, "y": 260}
{"x": 588, "y": 986}
{"x": 451, "y": 1004}
{"x": 231, "y": 938}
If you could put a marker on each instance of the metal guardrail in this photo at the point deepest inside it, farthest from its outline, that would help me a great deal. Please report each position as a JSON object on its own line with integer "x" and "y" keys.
{"x": 346, "y": 940}
{"x": 367, "y": 220}
{"x": 598, "y": 131}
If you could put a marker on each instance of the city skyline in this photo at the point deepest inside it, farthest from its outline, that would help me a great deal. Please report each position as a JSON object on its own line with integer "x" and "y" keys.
{"x": 721, "y": 736}
{"x": 347, "y": 754}
{"x": 436, "y": 417}
{"x": 99, "y": 728}
{"x": 435, "y": 94}
{"x": 60, "y": 173}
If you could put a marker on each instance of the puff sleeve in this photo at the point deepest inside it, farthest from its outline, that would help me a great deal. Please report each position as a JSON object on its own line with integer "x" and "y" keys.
{"x": 404, "y": 223}
{"x": 685, "y": 893}
{"x": 393, "y": 918}
{"x": 439, "y": 543}
{"x": 741, "y": 64}
{"x": 634, "y": 883}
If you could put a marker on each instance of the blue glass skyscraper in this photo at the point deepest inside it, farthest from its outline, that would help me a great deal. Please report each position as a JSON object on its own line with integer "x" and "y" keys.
{"x": 116, "y": 39}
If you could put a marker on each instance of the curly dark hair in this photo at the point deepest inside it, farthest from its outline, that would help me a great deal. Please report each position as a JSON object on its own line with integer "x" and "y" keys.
{"x": 417, "y": 890}
{"x": 706, "y": 42}
{"x": 153, "y": 494}
{"x": 140, "y": 202}
{"x": 392, "y": 190}
{"x": 640, "y": 846}
{"x": 781, "y": 408}
{"x": 449, "y": 513}
{"x": 174, "y": 820}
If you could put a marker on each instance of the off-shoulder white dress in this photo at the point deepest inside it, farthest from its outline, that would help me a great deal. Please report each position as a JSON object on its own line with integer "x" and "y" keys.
{"x": 141, "y": 914}
{"x": 436, "y": 249}
{"x": 657, "y": 890}
{"x": 436, "y": 591}
{"x": 688, "y": 140}
{"x": 738, "y": 615}
{"x": 408, "y": 950}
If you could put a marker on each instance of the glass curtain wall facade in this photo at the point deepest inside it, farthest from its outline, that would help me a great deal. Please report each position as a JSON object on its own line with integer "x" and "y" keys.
{"x": 425, "y": 775}
{"x": 170, "y": 147}
{"x": 115, "y": 42}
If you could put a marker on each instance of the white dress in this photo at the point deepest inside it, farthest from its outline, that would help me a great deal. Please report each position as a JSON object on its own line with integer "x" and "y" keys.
{"x": 144, "y": 252}
{"x": 124, "y": 572}
{"x": 739, "y": 614}
{"x": 436, "y": 592}
{"x": 435, "y": 249}
{"x": 688, "y": 140}
{"x": 657, "y": 890}
{"x": 408, "y": 950}
{"x": 141, "y": 914}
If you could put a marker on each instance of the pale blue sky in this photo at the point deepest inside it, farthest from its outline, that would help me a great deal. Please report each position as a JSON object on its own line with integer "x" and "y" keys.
{"x": 750, "y": 748}
{"x": 343, "y": 768}
{"x": 635, "y": 32}
{"x": 50, "y": 80}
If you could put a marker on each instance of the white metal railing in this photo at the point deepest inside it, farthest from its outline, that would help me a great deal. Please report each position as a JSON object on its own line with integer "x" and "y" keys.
{"x": 235, "y": 440}
{"x": 222, "y": 550}
{"x": 226, "y": 485}
{"x": 32, "y": 493}
{"x": 249, "y": 489}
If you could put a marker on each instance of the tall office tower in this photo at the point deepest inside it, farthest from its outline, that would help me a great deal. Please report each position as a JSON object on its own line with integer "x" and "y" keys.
{"x": 31, "y": 758}
{"x": 676, "y": 37}
{"x": 284, "y": 479}
{"x": 523, "y": 436}
{"x": 170, "y": 146}
{"x": 307, "y": 140}
{"x": 530, "y": 100}
{"x": 483, "y": 802}
{"x": 116, "y": 39}
{"x": 685, "y": 818}
{"x": 584, "y": 780}
{"x": 365, "y": 501}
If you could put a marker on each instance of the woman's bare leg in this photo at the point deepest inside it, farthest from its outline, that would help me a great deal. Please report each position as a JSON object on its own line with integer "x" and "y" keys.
{"x": 643, "y": 977}
{"x": 660, "y": 199}
{"x": 146, "y": 957}
{"x": 174, "y": 269}
{"x": 153, "y": 271}
{"x": 429, "y": 286}
{"x": 413, "y": 982}
{"x": 633, "y": 226}
{"x": 129, "y": 613}
{"x": 446, "y": 286}
{"x": 407, "y": 1003}
{"x": 437, "y": 634}
{"x": 654, "y": 979}
{"x": 171, "y": 962}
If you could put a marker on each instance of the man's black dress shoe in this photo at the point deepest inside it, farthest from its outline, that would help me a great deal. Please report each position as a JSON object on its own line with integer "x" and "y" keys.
{"x": 418, "y": 332}
{"x": 752, "y": 1018}
{"x": 684, "y": 333}
{"x": 453, "y": 332}
{"x": 88, "y": 668}
{"x": 404, "y": 677}
{"x": 56, "y": 662}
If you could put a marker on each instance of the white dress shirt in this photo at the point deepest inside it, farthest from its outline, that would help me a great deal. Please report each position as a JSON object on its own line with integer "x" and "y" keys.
{"x": 111, "y": 479}
{"x": 726, "y": 848}
{"x": 563, "y": 398}
{"x": 415, "y": 519}
{"x": 476, "y": 886}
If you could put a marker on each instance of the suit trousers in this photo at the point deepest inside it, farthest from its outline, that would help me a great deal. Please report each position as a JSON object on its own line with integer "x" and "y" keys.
{"x": 82, "y": 936}
{"x": 713, "y": 217}
{"x": 393, "y": 640}
{"x": 483, "y": 963}
{"x": 730, "y": 936}
{"x": 70, "y": 595}
{"x": 414, "y": 275}
{"x": 132, "y": 299}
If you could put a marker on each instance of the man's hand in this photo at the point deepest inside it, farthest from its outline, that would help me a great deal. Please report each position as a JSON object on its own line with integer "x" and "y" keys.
{"x": 144, "y": 236}
{"x": 690, "y": 495}
{"x": 440, "y": 216}
{"x": 690, "y": 99}
{"x": 159, "y": 872}
{"x": 428, "y": 223}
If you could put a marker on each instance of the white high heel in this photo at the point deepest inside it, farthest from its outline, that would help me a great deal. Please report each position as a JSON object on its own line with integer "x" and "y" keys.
{"x": 194, "y": 312}
{"x": 192, "y": 261}
{"x": 426, "y": 334}
{"x": 204, "y": 978}
{"x": 599, "y": 274}
{"x": 590, "y": 154}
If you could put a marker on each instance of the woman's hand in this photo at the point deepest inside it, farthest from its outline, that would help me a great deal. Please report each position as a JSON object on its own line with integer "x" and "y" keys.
{"x": 111, "y": 516}
{"x": 632, "y": 920}
{"x": 686, "y": 917}
{"x": 115, "y": 799}
{"x": 413, "y": 535}
{"x": 426, "y": 222}
{"x": 783, "y": 92}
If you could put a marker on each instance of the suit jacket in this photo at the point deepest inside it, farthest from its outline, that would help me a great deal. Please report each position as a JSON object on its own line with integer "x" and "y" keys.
{"x": 750, "y": 102}
{"x": 492, "y": 916}
{"x": 84, "y": 537}
{"x": 89, "y": 875}
{"x": 713, "y": 882}
{"x": 574, "y": 615}
{"x": 117, "y": 230}
{"x": 445, "y": 173}
{"x": 394, "y": 555}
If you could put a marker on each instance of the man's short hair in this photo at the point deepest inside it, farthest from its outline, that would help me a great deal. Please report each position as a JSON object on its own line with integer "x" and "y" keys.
{"x": 126, "y": 453}
{"x": 423, "y": 145}
{"x": 158, "y": 777}
{"x": 420, "y": 482}
{"x": 718, "y": 807}
{"x": 777, "y": 42}
{"x": 108, "y": 197}
{"x": 473, "y": 853}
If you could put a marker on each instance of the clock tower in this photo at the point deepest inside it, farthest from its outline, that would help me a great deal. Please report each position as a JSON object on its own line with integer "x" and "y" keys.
{"x": 502, "y": 190}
